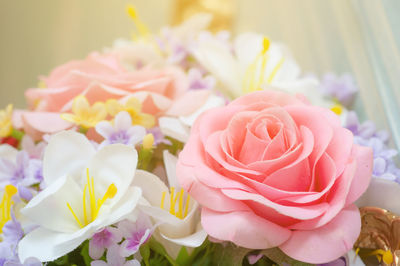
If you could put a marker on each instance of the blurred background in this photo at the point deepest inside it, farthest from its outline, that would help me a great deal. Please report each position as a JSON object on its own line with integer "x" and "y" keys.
{"x": 356, "y": 36}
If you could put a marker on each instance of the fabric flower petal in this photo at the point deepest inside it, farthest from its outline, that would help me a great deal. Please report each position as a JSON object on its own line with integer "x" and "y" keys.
{"x": 67, "y": 152}
{"x": 328, "y": 242}
{"x": 244, "y": 228}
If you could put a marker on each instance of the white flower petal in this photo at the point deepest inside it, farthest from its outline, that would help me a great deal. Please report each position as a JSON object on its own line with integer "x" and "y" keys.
{"x": 381, "y": 193}
{"x": 124, "y": 208}
{"x": 123, "y": 121}
{"x": 172, "y": 127}
{"x": 105, "y": 129}
{"x": 193, "y": 240}
{"x": 170, "y": 167}
{"x": 214, "y": 57}
{"x": 48, "y": 245}
{"x": 212, "y": 101}
{"x": 247, "y": 46}
{"x": 67, "y": 152}
{"x": 49, "y": 208}
{"x": 137, "y": 134}
{"x": 115, "y": 164}
{"x": 152, "y": 187}
{"x": 8, "y": 152}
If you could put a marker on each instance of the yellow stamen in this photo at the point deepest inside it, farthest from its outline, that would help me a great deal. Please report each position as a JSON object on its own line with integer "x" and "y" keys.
{"x": 73, "y": 214}
{"x": 5, "y": 205}
{"x": 94, "y": 204}
{"x": 275, "y": 70}
{"x": 255, "y": 73}
{"x": 140, "y": 26}
{"x": 163, "y": 199}
{"x": 265, "y": 45}
{"x": 171, "y": 200}
{"x": 175, "y": 199}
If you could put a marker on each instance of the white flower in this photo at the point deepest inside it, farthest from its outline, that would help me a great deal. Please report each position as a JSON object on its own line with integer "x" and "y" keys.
{"x": 254, "y": 63}
{"x": 86, "y": 191}
{"x": 172, "y": 208}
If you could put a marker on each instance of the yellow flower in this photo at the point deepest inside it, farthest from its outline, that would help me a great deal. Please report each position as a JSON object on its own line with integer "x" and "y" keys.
{"x": 6, "y": 121}
{"x": 134, "y": 108}
{"x": 85, "y": 115}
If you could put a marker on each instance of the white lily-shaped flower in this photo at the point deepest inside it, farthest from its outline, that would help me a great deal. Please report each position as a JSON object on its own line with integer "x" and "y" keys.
{"x": 253, "y": 64}
{"x": 86, "y": 191}
{"x": 172, "y": 208}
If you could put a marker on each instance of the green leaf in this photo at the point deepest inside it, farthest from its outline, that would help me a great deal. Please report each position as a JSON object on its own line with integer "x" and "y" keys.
{"x": 60, "y": 261}
{"x": 228, "y": 254}
{"x": 16, "y": 134}
{"x": 158, "y": 248}
{"x": 85, "y": 253}
{"x": 183, "y": 257}
{"x": 145, "y": 253}
{"x": 276, "y": 255}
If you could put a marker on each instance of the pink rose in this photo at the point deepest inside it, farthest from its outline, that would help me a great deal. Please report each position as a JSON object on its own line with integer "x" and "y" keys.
{"x": 273, "y": 171}
{"x": 101, "y": 77}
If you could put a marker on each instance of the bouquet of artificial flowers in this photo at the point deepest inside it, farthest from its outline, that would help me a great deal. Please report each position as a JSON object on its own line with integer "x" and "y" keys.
{"x": 189, "y": 148}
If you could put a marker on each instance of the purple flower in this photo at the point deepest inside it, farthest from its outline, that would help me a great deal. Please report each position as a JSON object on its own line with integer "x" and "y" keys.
{"x": 121, "y": 132}
{"x": 339, "y": 262}
{"x": 135, "y": 234}
{"x": 158, "y": 136}
{"x": 114, "y": 259}
{"x": 12, "y": 234}
{"x": 102, "y": 240}
{"x": 365, "y": 134}
{"x": 341, "y": 88}
{"x": 22, "y": 173}
{"x": 197, "y": 81}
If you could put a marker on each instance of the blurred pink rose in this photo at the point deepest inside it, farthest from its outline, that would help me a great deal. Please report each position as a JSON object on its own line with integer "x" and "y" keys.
{"x": 271, "y": 170}
{"x": 101, "y": 77}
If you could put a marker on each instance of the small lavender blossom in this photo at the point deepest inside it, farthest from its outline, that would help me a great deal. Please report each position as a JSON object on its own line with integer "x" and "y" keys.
{"x": 22, "y": 173}
{"x": 103, "y": 240}
{"x": 121, "y": 132}
{"x": 114, "y": 259}
{"x": 158, "y": 136}
{"x": 12, "y": 234}
{"x": 135, "y": 234}
{"x": 197, "y": 81}
{"x": 341, "y": 88}
{"x": 365, "y": 134}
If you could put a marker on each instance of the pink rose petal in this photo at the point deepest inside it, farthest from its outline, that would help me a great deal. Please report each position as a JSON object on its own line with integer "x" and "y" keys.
{"x": 326, "y": 243}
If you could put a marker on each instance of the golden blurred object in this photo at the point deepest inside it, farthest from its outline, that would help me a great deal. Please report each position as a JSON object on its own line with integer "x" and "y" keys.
{"x": 223, "y": 12}
{"x": 380, "y": 232}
